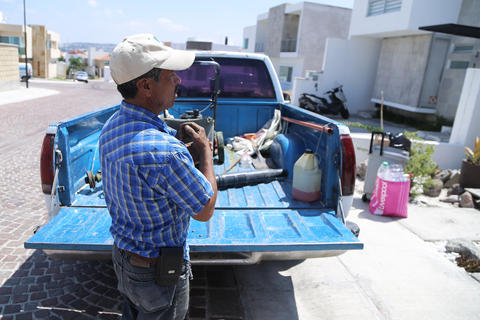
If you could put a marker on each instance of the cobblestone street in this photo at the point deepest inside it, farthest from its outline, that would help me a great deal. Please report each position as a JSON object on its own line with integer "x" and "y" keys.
{"x": 32, "y": 286}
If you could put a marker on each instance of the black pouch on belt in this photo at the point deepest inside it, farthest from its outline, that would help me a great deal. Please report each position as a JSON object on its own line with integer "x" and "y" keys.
{"x": 169, "y": 266}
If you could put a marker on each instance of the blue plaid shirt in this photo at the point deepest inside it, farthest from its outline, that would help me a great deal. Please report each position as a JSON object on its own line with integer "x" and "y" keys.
{"x": 150, "y": 183}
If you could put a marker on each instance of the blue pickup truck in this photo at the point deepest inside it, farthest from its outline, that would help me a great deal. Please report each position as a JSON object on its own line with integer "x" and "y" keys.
{"x": 251, "y": 223}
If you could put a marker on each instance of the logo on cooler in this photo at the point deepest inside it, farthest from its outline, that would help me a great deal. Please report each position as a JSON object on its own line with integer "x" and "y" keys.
{"x": 379, "y": 194}
{"x": 383, "y": 196}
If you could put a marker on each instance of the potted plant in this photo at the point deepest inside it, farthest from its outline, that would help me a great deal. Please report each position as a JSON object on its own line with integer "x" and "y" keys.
{"x": 470, "y": 172}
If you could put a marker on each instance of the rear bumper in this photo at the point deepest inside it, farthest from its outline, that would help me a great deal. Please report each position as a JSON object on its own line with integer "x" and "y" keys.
{"x": 204, "y": 258}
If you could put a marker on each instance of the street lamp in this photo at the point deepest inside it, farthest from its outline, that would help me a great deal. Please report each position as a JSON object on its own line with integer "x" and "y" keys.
{"x": 25, "y": 37}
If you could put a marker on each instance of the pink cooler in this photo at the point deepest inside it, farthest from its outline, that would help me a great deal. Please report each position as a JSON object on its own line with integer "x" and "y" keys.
{"x": 390, "y": 198}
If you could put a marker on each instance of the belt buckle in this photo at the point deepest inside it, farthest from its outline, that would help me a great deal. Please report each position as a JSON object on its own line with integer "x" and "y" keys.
{"x": 138, "y": 262}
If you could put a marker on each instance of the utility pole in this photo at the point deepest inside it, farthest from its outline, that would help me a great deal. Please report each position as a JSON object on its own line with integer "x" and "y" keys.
{"x": 25, "y": 39}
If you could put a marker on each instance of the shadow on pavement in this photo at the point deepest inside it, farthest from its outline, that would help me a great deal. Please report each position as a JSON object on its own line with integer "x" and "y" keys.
{"x": 45, "y": 288}
{"x": 265, "y": 292}
{"x": 366, "y": 214}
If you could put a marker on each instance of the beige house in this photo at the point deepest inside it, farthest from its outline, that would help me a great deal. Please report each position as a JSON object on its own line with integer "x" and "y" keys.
{"x": 14, "y": 34}
{"x": 45, "y": 52}
{"x": 9, "y": 72}
{"x": 42, "y": 47}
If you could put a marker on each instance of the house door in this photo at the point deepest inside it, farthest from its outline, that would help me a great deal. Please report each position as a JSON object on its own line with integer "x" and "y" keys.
{"x": 434, "y": 72}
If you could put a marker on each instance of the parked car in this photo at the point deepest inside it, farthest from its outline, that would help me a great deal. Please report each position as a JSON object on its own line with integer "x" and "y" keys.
{"x": 81, "y": 76}
{"x": 21, "y": 67}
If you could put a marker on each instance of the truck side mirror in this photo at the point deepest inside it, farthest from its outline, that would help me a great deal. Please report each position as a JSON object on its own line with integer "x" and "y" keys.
{"x": 286, "y": 97}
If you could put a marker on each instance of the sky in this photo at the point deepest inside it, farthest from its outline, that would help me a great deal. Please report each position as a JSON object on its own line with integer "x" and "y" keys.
{"x": 109, "y": 21}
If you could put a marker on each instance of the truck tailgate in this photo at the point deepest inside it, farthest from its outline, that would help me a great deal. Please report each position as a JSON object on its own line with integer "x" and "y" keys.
{"x": 87, "y": 229}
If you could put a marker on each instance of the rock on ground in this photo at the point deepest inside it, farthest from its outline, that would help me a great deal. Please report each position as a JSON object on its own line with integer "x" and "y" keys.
{"x": 466, "y": 200}
{"x": 456, "y": 189}
{"x": 434, "y": 189}
{"x": 454, "y": 179}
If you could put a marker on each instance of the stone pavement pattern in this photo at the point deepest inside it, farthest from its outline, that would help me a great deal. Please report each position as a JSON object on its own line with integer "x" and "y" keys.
{"x": 32, "y": 286}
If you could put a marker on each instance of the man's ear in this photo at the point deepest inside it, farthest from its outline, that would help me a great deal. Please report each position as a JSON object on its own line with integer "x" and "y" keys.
{"x": 143, "y": 85}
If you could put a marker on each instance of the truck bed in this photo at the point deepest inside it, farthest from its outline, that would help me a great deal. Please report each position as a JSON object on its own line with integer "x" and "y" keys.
{"x": 262, "y": 218}
{"x": 272, "y": 195}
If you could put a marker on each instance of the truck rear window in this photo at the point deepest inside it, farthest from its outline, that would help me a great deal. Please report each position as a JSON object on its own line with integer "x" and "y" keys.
{"x": 239, "y": 78}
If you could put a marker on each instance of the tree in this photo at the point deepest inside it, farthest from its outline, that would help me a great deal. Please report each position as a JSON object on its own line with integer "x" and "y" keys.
{"x": 76, "y": 64}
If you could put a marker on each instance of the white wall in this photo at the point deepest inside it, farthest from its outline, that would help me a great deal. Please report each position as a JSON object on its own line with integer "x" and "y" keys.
{"x": 432, "y": 12}
{"x": 296, "y": 64}
{"x": 352, "y": 63}
{"x": 446, "y": 155}
{"x": 61, "y": 69}
{"x": 52, "y": 70}
{"x": 249, "y": 32}
{"x": 362, "y": 25}
{"x": 413, "y": 14}
{"x": 106, "y": 74}
{"x": 304, "y": 85}
{"x": 467, "y": 120}
{"x": 93, "y": 54}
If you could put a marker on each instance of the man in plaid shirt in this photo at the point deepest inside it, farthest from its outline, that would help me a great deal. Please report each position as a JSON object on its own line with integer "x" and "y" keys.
{"x": 150, "y": 181}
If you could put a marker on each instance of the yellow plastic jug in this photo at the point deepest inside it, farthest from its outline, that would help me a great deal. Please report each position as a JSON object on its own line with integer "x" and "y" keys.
{"x": 307, "y": 178}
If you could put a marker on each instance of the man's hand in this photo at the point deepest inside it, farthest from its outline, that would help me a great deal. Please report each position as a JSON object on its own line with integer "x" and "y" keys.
{"x": 200, "y": 146}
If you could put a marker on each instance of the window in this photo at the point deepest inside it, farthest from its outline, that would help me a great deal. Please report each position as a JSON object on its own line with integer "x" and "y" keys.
{"x": 285, "y": 74}
{"x": 376, "y": 7}
{"x": 14, "y": 40}
{"x": 239, "y": 78}
{"x": 462, "y": 49}
{"x": 245, "y": 43}
{"x": 459, "y": 64}
{"x": 11, "y": 40}
{"x": 49, "y": 44}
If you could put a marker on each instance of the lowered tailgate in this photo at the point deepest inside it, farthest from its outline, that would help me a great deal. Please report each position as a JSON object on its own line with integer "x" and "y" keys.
{"x": 260, "y": 218}
{"x": 87, "y": 229}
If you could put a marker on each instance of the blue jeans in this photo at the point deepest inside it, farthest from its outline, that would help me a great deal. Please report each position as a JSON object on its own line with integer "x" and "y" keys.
{"x": 144, "y": 299}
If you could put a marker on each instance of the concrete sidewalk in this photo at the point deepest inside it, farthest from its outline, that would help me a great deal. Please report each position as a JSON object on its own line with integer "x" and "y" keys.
{"x": 400, "y": 274}
{"x": 66, "y": 81}
{"x": 23, "y": 94}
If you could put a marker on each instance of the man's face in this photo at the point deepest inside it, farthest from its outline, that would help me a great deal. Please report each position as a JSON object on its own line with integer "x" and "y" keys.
{"x": 163, "y": 96}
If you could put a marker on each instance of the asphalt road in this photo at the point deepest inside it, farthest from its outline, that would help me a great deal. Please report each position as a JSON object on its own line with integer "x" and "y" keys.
{"x": 399, "y": 275}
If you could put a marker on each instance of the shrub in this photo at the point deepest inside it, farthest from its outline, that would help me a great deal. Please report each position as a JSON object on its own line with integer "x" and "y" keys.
{"x": 420, "y": 166}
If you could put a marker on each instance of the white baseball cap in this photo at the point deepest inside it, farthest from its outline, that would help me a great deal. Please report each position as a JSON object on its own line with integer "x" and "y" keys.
{"x": 140, "y": 53}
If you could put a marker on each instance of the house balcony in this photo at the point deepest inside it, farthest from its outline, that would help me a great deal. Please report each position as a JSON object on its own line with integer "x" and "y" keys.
{"x": 289, "y": 45}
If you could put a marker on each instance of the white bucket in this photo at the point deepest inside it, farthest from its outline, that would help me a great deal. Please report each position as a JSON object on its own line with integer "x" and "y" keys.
{"x": 307, "y": 178}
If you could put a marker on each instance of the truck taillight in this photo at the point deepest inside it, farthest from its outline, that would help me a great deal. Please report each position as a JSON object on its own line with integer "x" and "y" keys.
{"x": 348, "y": 165}
{"x": 47, "y": 163}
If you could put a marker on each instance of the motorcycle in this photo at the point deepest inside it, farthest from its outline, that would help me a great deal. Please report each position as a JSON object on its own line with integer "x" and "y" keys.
{"x": 334, "y": 103}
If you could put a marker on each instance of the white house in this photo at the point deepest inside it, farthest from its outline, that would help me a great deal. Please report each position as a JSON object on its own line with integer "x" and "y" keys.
{"x": 420, "y": 73}
{"x": 294, "y": 36}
